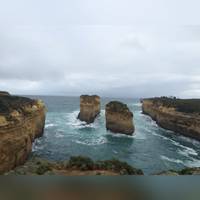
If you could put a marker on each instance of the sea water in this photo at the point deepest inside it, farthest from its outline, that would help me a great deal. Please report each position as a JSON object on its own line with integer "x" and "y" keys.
{"x": 151, "y": 148}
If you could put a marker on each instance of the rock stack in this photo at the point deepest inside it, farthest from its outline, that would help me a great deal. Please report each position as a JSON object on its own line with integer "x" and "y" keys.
{"x": 119, "y": 119}
{"x": 21, "y": 121}
{"x": 89, "y": 108}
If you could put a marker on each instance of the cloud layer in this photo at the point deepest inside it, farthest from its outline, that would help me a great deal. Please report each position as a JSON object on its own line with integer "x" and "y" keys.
{"x": 110, "y": 47}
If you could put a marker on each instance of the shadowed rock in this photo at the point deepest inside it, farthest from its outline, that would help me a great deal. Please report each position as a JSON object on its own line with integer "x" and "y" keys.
{"x": 21, "y": 121}
{"x": 3, "y": 93}
{"x": 119, "y": 119}
{"x": 89, "y": 108}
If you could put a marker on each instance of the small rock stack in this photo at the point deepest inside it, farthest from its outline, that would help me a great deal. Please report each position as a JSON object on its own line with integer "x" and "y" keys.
{"x": 119, "y": 119}
{"x": 89, "y": 108}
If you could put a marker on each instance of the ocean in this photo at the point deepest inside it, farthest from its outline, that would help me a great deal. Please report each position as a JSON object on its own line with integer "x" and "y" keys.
{"x": 151, "y": 148}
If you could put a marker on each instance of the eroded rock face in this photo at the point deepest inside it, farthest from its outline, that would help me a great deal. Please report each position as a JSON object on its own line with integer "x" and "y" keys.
{"x": 89, "y": 108}
{"x": 169, "y": 117}
{"x": 3, "y": 93}
{"x": 21, "y": 121}
{"x": 119, "y": 119}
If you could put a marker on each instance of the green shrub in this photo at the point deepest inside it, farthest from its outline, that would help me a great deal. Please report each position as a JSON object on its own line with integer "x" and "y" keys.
{"x": 80, "y": 162}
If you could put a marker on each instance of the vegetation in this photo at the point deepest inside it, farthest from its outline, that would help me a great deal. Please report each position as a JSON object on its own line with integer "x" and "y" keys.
{"x": 80, "y": 162}
{"x": 10, "y": 103}
{"x": 117, "y": 106}
{"x": 181, "y": 105}
{"x": 85, "y": 163}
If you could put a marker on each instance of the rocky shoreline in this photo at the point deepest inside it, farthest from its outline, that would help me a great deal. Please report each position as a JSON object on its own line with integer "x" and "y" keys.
{"x": 75, "y": 166}
{"x": 84, "y": 166}
{"x": 21, "y": 121}
{"x": 180, "y": 116}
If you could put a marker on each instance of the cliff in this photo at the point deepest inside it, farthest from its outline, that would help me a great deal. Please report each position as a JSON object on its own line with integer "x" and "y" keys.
{"x": 75, "y": 166}
{"x": 21, "y": 121}
{"x": 119, "y": 119}
{"x": 181, "y": 116}
{"x": 89, "y": 108}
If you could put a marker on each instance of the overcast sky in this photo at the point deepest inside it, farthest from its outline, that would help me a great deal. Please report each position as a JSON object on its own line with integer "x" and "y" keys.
{"x": 122, "y": 48}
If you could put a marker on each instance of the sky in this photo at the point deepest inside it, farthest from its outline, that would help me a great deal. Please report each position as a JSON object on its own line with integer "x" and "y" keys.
{"x": 116, "y": 48}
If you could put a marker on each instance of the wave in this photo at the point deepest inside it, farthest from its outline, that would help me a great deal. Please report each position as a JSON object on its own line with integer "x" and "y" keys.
{"x": 171, "y": 160}
{"x": 49, "y": 125}
{"x": 95, "y": 142}
{"x": 137, "y": 104}
{"x": 119, "y": 135}
{"x": 76, "y": 123}
{"x": 186, "y": 151}
{"x": 59, "y": 135}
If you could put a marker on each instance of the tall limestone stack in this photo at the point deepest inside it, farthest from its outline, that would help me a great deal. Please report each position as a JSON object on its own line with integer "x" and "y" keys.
{"x": 21, "y": 121}
{"x": 119, "y": 119}
{"x": 89, "y": 108}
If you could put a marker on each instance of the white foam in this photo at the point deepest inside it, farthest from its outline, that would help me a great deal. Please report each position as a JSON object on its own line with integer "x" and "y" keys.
{"x": 171, "y": 159}
{"x": 59, "y": 135}
{"x": 76, "y": 123}
{"x": 119, "y": 135}
{"x": 93, "y": 142}
{"x": 186, "y": 151}
{"x": 137, "y": 104}
{"x": 49, "y": 125}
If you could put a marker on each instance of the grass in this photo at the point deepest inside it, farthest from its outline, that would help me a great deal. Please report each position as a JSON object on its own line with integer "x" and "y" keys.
{"x": 85, "y": 163}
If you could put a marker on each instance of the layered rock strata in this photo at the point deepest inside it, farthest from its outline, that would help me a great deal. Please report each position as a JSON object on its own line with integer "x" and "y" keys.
{"x": 181, "y": 116}
{"x": 119, "y": 119}
{"x": 21, "y": 121}
{"x": 89, "y": 108}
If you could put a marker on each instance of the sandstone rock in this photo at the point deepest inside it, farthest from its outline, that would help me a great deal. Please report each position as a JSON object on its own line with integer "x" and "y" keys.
{"x": 119, "y": 119}
{"x": 168, "y": 115}
{"x": 18, "y": 129}
{"x": 3, "y": 93}
{"x": 89, "y": 108}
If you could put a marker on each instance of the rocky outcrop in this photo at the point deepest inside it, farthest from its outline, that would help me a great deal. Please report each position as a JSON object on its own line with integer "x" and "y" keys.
{"x": 21, "y": 121}
{"x": 119, "y": 119}
{"x": 75, "y": 166}
{"x": 89, "y": 108}
{"x": 185, "y": 171}
{"x": 181, "y": 116}
{"x": 3, "y": 93}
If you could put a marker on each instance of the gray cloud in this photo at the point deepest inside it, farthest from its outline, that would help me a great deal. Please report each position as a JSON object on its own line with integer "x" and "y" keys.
{"x": 113, "y": 48}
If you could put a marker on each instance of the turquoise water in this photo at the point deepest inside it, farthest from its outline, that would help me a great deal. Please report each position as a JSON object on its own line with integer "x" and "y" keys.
{"x": 151, "y": 149}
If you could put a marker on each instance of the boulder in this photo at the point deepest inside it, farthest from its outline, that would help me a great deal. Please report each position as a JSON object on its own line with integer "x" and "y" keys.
{"x": 89, "y": 108}
{"x": 119, "y": 119}
{"x": 19, "y": 126}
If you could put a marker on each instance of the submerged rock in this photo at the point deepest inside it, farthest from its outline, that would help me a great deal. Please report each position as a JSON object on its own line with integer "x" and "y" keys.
{"x": 89, "y": 108}
{"x": 119, "y": 119}
{"x": 178, "y": 115}
{"x": 21, "y": 121}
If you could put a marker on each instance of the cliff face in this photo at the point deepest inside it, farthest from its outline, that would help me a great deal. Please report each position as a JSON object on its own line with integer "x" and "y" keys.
{"x": 167, "y": 116}
{"x": 119, "y": 119}
{"x": 75, "y": 166}
{"x": 89, "y": 108}
{"x": 21, "y": 121}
